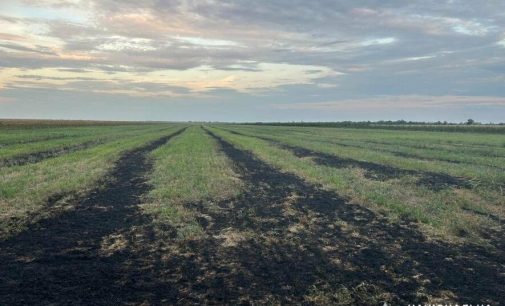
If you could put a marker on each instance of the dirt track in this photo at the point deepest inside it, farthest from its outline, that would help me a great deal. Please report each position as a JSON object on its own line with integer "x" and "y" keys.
{"x": 283, "y": 240}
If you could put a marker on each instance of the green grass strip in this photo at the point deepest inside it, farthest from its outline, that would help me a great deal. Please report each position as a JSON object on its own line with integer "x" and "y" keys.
{"x": 189, "y": 169}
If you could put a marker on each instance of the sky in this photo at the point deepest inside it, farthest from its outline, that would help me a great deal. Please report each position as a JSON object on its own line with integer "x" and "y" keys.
{"x": 263, "y": 60}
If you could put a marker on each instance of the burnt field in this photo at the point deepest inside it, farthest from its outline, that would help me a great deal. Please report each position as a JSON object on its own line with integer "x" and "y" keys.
{"x": 154, "y": 214}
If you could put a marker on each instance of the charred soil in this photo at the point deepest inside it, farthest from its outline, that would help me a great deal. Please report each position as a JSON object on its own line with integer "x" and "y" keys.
{"x": 98, "y": 253}
{"x": 281, "y": 241}
{"x": 432, "y": 180}
{"x": 286, "y": 241}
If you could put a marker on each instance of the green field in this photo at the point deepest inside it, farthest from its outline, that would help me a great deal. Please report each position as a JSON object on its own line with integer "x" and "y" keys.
{"x": 230, "y": 214}
{"x": 385, "y": 170}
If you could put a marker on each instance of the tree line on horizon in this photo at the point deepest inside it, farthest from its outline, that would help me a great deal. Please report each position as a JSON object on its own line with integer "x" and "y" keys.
{"x": 468, "y": 126}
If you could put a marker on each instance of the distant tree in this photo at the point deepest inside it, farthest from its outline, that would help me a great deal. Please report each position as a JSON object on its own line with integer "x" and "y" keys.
{"x": 470, "y": 121}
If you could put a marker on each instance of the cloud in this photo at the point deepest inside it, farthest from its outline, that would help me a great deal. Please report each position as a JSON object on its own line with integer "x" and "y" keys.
{"x": 6, "y": 100}
{"x": 207, "y": 43}
{"x": 120, "y": 43}
{"x": 425, "y": 23}
{"x": 282, "y": 49}
{"x": 11, "y": 37}
{"x": 264, "y": 76}
{"x": 17, "y": 47}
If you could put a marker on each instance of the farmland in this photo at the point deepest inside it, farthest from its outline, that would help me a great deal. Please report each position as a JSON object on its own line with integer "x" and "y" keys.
{"x": 180, "y": 213}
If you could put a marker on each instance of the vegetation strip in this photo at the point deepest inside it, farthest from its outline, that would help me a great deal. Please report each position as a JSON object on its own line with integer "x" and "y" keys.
{"x": 310, "y": 245}
{"x": 188, "y": 169}
{"x": 427, "y": 153}
{"x": 88, "y": 254}
{"x": 31, "y": 158}
{"x": 404, "y": 154}
{"x": 479, "y": 150}
{"x": 484, "y": 171}
{"x": 73, "y": 145}
{"x": 35, "y": 134}
{"x": 28, "y": 141}
{"x": 27, "y": 192}
{"x": 432, "y": 180}
{"x": 22, "y": 154}
{"x": 474, "y": 148}
{"x": 447, "y": 214}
